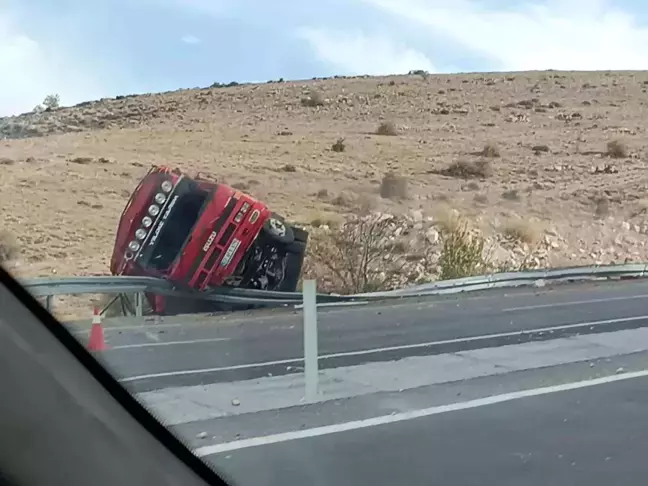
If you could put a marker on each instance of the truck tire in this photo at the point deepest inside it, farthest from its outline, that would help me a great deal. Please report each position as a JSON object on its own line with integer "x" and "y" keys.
{"x": 296, "y": 253}
{"x": 278, "y": 230}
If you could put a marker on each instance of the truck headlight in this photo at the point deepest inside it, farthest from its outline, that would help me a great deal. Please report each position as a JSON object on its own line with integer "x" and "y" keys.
{"x": 166, "y": 186}
{"x": 140, "y": 234}
{"x": 133, "y": 246}
{"x": 154, "y": 210}
{"x": 160, "y": 198}
{"x": 147, "y": 221}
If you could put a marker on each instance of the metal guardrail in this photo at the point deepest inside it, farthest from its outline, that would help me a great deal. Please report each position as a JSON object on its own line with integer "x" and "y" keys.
{"x": 49, "y": 287}
{"x": 515, "y": 279}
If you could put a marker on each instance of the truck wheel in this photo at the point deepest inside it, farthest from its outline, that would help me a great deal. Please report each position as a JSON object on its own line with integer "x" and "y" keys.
{"x": 277, "y": 228}
{"x": 294, "y": 266}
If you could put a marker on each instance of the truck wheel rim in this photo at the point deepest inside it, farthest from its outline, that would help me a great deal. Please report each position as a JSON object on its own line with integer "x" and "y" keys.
{"x": 277, "y": 227}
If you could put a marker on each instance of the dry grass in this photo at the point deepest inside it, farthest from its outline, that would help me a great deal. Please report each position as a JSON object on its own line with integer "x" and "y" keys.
{"x": 641, "y": 207}
{"x": 538, "y": 149}
{"x": 446, "y": 218}
{"x": 464, "y": 169}
{"x": 601, "y": 207}
{"x": 511, "y": 195}
{"x": 490, "y": 150}
{"x": 522, "y": 231}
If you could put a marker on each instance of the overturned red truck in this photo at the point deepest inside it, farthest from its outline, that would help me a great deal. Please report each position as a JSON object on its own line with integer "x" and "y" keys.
{"x": 201, "y": 234}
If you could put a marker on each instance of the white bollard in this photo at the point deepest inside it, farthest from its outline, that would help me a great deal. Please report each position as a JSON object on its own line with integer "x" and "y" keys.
{"x": 310, "y": 339}
{"x": 139, "y": 300}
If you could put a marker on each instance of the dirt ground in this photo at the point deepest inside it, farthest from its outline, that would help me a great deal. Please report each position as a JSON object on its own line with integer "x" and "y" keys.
{"x": 565, "y": 151}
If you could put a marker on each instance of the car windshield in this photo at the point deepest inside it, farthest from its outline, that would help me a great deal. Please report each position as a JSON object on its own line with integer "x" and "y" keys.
{"x": 174, "y": 227}
{"x": 380, "y": 242}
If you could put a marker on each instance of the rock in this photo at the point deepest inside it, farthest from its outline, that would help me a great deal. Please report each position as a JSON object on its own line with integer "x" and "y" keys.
{"x": 626, "y": 226}
{"x": 432, "y": 235}
{"x": 236, "y": 402}
{"x": 417, "y": 215}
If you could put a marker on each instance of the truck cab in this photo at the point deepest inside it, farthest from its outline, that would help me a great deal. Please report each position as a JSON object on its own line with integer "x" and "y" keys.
{"x": 201, "y": 234}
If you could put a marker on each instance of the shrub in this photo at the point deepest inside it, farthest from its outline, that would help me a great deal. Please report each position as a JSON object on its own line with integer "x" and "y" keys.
{"x": 463, "y": 169}
{"x": 339, "y": 146}
{"x": 52, "y": 102}
{"x": 387, "y": 128}
{"x": 313, "y": 100}
{"x": 362, "y": 256}
{"x": 462, "y": 253}
{"x": 617, "y": 149}
{"x": 490, "y": 150}
{"x": 393, "y": 186}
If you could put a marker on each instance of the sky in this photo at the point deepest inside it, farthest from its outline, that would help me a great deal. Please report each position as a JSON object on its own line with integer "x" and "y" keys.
{"x": 89, "y": 49}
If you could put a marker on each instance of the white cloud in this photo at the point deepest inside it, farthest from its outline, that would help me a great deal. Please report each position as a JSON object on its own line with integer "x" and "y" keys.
{"x": 550, "y": 34}
{"x": 355, "y": 53}
{"x": 30, "y": 70}
{"x": 190, "y": 39}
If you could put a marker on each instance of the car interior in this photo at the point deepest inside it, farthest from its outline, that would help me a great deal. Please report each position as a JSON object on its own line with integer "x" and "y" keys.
{"x": 65, "y": 420}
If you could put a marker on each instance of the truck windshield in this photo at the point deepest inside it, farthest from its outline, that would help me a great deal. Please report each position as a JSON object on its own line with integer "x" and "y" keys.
{"x": 176, "y": 227}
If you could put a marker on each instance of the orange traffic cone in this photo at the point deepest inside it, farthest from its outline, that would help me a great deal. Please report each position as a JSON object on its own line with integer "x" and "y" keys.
{"x": 96, "y": 341}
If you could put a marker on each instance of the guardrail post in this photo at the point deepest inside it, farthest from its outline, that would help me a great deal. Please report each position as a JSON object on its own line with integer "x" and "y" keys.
{"x": 48, "y": 302}
{"x": 310, "y": 339}
{"x": 138, "y": 304}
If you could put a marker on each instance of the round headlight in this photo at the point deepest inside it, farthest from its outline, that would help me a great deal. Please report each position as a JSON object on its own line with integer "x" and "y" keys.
{"x": 147, "y": 221}
{"x": 140, "y": 234}
{"x": 133, "y": 246}
{"x": 160, "y": 198}
{"x": 167, "y": 186}
{"x": 154, "y": 210}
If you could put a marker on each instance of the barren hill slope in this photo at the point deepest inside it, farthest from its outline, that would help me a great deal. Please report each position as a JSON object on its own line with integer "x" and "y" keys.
{"x": 565, "y": 153}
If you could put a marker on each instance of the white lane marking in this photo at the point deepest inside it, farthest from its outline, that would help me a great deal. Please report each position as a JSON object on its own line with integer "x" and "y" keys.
{"x": 574, "y": 302}
{"x": 152, "y": 336}
{"x": 137, "y": 327}
{"x": 168, "y": 343}
{"x": 482, "y": 337}
{"x": 336, "y": 304}
{"x": 210, "y": 370}
{"x": 403, "y": 416}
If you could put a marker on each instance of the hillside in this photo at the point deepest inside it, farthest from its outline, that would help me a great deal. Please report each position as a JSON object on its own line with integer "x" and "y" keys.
{"x": 563, "y": 159}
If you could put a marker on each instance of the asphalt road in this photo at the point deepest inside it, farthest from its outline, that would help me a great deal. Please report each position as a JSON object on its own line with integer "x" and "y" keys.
{"x": 591, "y": 436}
{"x": 237, "y": 347}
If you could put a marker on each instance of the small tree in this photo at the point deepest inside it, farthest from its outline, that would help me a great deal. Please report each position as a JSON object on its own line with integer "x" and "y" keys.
{"x": 362, "y": 256}
{"x": 51, "y": 102}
